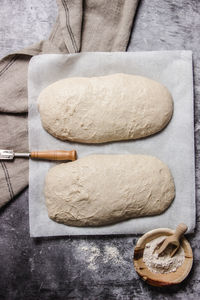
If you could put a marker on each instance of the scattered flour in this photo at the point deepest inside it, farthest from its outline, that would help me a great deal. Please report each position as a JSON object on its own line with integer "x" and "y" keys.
{"x": 112, "y": 254}
{"x": 89, "y": 253}
{"x": 92, "y": 255}
{"x": 163, "y": 263}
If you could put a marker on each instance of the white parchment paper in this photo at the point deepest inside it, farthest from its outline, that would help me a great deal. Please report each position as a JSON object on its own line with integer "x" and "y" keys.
{"x": 174, "y": 145}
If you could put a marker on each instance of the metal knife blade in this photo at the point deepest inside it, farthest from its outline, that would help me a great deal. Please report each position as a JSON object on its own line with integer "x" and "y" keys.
{"x": 6, "y": 154}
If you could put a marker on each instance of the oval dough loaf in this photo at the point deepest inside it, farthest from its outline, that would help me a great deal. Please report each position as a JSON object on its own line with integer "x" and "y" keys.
{"x": 103, "y": 109}
{"x": 104, "y": 189}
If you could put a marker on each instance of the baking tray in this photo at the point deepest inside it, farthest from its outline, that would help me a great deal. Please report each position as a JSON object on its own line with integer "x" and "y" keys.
{"x": 174, "y": 145}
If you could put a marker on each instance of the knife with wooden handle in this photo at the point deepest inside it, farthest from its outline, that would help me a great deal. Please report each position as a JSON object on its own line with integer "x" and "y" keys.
{"x": 58, "y": 155}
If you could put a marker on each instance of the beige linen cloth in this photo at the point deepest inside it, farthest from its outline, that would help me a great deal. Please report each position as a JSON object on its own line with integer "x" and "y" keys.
{"x": 81, "y": 25}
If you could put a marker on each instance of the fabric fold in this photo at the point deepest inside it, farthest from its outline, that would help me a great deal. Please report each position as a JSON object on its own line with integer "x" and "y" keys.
{"x": 107, "y": 24}
{"x": 70, "y": 16}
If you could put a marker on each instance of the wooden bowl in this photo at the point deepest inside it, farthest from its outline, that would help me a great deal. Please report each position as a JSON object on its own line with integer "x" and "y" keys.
{"x": 157, "y": 279}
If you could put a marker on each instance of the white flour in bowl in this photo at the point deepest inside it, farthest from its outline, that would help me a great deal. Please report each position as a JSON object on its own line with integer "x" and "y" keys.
{"x": 163, "y": 263}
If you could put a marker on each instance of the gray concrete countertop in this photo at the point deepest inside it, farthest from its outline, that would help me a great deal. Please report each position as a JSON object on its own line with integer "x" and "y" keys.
{"x": 91, "y": 267}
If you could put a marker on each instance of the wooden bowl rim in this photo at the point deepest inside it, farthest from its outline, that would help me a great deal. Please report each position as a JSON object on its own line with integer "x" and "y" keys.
{"x": 164, "y": 279}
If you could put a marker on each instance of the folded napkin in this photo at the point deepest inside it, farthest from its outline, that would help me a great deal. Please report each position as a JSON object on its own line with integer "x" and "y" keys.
{"x": 81, "y": 25}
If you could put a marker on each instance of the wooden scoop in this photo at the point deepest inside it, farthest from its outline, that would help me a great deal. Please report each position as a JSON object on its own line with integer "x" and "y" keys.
{"x": 173, "y": 240}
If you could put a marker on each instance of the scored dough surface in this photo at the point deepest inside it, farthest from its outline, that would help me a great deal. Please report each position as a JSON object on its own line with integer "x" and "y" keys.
{"x": 107, "y": 108}
{"x": 104, "y": 189}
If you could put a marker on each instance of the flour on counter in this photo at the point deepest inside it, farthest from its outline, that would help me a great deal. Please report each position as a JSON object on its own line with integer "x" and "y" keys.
{"x": 93, "y": 257}
{"x": 163, "y": 263}
{"x": 89, "y": 253}
{"x": 112, "y": 254}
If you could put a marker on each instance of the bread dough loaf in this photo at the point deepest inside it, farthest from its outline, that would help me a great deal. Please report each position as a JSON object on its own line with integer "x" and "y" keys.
{"x": 103, "y": 109}
{"x": 104, "y": 189}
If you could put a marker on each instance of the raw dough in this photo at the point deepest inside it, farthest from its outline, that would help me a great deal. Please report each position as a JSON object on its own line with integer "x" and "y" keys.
{"x": 103, "y": 109}
{"x": 104, "y": 189}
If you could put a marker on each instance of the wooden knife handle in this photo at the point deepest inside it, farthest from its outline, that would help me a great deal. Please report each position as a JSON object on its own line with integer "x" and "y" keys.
{"x": 54, "y": 155}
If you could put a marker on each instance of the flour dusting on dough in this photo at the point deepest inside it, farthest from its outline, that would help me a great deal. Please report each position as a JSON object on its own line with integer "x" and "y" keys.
{"x": 106, "y": 108}
{"x": 100, "y": 190}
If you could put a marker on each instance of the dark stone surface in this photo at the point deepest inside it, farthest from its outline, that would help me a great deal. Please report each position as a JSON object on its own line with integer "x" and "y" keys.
{"x": 83, "y": 267}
